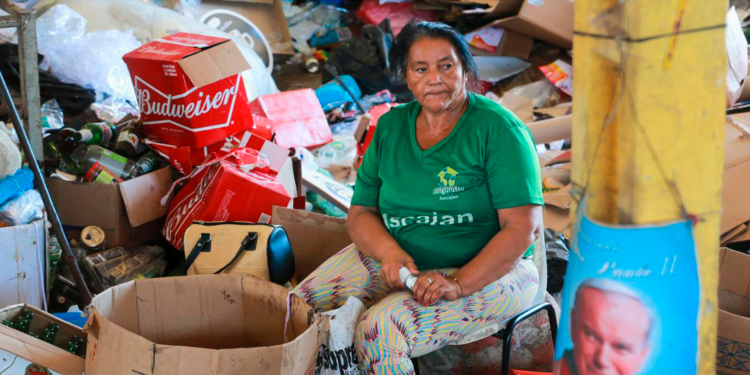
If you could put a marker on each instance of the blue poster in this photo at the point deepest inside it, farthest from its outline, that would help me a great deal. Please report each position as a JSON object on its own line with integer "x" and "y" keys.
{"x": 630, "y": 301}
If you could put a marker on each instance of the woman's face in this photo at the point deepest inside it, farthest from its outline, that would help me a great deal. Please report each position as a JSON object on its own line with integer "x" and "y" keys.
{"x": 434, "y": 74}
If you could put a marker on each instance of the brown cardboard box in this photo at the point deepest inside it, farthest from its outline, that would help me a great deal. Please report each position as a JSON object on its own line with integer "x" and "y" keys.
{"x": 314, "y": 237}
{"x": 734, "y": 194}
{"x": 511, "y": 44}
{"x": 36, "y": 351}
{"x": 267, "y": 15}
{"x": 196, "y": 325}
{"x": 734, "y": 312}
{"x": 128, "y": 212}
{"x": 547, "y": 20}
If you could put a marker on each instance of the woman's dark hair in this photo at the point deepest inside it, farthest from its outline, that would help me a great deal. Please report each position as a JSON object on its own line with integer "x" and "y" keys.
{"x": 418, "y": 29}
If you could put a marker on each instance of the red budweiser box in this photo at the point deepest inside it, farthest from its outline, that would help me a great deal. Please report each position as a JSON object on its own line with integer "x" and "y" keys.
{"x": 227, "y": 189}
{"x": 190, "y": 89}
{"x": 184, "y": 158}
{"x": 298, "y": 119}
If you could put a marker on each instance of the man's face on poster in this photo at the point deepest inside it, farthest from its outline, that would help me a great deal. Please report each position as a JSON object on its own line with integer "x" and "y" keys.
{"x": 610, "y": 333}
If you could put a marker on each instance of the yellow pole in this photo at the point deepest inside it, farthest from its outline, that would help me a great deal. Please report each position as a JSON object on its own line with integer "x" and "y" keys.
{"x": 648, "y": 123}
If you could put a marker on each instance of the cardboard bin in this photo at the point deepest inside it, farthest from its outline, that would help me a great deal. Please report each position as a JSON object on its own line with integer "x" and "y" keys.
{"x": 734, "y": 313}
{"x": 20, "y": 353}
{"x": 197, "y": 325}
{"x": 127, "y": 212}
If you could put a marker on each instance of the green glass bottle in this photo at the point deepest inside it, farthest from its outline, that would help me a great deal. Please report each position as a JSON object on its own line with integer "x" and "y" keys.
{"x": 23, "y": 323}
{"x": 96, "y": 133}
{"x": 50, "y": 332}
{"x": 67, "y": 164}
{"x": 74, "y": 345}
{"x": 147, "y": 163}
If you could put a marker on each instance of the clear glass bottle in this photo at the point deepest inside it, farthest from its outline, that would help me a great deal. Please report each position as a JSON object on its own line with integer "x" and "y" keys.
{"x": 113, "y": 163}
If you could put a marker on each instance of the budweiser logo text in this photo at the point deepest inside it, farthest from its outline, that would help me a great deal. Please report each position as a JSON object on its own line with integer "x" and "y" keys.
{"x": 164, "y": 105}
{"x": 184, "y": 209}
{"x": 158, "y": 51}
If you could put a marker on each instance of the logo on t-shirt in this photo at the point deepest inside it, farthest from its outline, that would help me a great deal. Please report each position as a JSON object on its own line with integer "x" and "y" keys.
{"x": 447, "y": 184}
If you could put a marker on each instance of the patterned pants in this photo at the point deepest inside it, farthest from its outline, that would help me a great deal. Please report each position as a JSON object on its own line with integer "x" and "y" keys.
{"x": 396, "y": 327}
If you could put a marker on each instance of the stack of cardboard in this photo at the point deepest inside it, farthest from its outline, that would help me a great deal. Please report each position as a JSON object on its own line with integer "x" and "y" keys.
{"x": 518, "y": 22}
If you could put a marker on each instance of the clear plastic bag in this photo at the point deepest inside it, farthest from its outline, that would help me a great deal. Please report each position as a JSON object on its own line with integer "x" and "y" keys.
{"x": 27, "y": 208}
{"x": 52, "y": 115}
{"x": 92, "y": 60}
{"x": 542, "y": 93}
{"x": 341, "y": 152}
{"x": 113, "y": 109}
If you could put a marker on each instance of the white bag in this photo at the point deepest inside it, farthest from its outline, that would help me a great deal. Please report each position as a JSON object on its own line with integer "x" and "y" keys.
{"x": 337, "y": 356}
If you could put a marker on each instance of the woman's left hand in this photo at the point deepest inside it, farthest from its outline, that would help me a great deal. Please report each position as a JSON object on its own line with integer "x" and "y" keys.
{"x": 431, "y": 286}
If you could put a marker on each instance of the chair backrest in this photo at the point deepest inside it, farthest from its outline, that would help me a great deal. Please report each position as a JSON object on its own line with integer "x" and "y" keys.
{"x": 539, "y": 257}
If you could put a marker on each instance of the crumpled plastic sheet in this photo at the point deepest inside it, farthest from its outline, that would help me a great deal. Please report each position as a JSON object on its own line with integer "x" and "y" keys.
{"x": 26, "y": 208}
{"x": 113, "y": 109}
{"x": 149, "y": 22}
{"x": 92, "y": 60}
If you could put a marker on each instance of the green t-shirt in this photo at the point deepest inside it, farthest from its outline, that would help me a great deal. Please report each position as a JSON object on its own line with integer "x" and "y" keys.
{"x": 441, "y": 204}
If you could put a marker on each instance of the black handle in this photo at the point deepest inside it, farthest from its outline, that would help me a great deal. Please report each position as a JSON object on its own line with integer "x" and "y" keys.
{"x": 203, "y": 244}
{"x": 248, "y": 244}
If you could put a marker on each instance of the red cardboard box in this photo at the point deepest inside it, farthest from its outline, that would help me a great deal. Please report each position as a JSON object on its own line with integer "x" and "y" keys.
{"x": 184, "y": 159}
{"x": 190, "y": 89}
{"x": 224, "y": 192}
{"x": 298, "y": 120}
{"x": 367, "y": 130}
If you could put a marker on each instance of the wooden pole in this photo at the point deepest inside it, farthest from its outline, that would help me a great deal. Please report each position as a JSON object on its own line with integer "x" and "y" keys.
{"x": 648, "y": 125}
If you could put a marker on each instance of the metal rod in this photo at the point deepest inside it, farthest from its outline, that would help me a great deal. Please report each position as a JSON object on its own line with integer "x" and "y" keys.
{"x": 29, "y": 69}
{"x": 70, "y": 259}
{"x": 335, "y": 75}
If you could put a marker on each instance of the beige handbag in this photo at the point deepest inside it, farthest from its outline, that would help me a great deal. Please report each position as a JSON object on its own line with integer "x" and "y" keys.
{"x": 260, "y": 250}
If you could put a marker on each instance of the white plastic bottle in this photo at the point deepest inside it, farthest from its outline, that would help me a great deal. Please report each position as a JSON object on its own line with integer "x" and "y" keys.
{"x": 407, "y": 277}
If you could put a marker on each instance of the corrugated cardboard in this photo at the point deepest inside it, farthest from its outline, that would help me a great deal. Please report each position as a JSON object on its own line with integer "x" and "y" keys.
{"x": 267, "y": 15}
{"x": 734, "y": 312}
{"x": 190, "y": 89}
{"x": 106, "y": 206}
{"x": 38, "y": 351}
{"x": 734, "y": 194}
{"x": 314, "y": 237}
{"x": 511, "y": 44}
{"x": 547, "y": 20}
{"x": 23, "y": 253}
{"x": 737, "y": 233}
{"x": 223, "y": 191}
{"x": 213, "y": 64}
{"x": 197, "y": 325}
{"x": 558, "y": 219}
{"x": 331, "y": 190}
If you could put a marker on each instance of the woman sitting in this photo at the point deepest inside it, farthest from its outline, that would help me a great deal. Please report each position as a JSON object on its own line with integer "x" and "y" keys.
{"x": 449, "y": 188}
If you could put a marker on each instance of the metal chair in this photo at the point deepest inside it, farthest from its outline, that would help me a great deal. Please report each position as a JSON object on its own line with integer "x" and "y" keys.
{"x": 506, "y": 334}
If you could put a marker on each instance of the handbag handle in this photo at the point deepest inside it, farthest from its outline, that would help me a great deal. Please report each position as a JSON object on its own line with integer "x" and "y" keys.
{"x": 203, "y": 244}
{"x": 250, "y": 243}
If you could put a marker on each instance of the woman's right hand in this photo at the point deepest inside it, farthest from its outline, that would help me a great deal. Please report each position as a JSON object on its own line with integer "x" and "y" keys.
{"x": 391, "y": 263}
